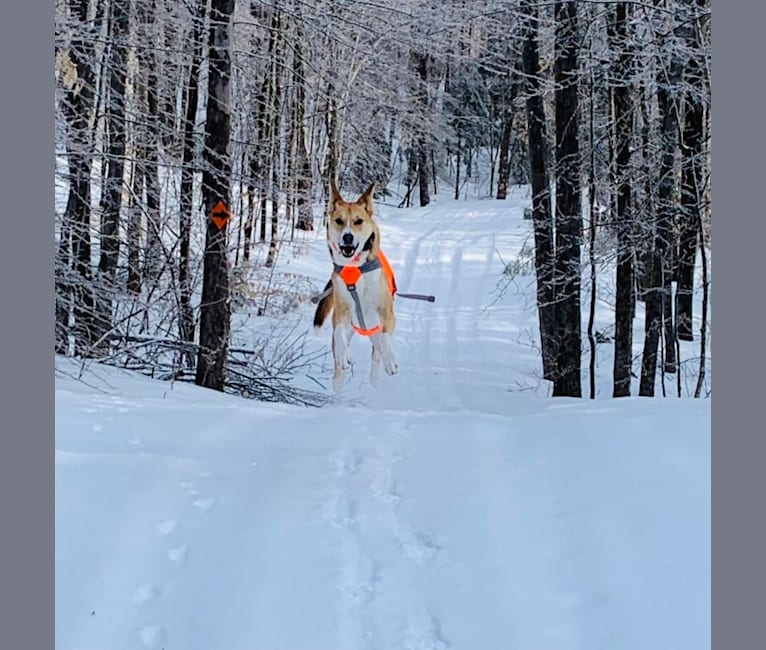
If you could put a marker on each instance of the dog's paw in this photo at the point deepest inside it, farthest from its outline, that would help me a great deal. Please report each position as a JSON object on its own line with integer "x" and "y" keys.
{"x": 391, "y": 367}
{"x": 343, "y": 359}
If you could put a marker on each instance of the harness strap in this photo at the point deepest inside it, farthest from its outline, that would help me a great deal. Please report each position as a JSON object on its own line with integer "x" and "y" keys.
{"x": 350, "y": 275}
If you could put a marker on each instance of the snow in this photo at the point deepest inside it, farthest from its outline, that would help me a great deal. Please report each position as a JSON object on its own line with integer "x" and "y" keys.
{"x": 457, "y": 506}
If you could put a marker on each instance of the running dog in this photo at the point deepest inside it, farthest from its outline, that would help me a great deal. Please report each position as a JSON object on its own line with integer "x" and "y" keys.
{"x": 360, "y": 293}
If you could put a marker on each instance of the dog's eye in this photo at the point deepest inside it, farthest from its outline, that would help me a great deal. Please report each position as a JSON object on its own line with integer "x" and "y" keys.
{"x": 358, "y": 222}
{"x": 339, "y": 222}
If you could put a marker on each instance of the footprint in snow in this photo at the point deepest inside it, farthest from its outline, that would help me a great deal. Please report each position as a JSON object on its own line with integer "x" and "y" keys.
{"x": 167, "y": 527}
{"x": 178, "y": 554}
{"x": 418, "y": 547}
{"x": 204, "y": 504}
{"x": 151, "y": 635}
{"x": 146, "y": 592}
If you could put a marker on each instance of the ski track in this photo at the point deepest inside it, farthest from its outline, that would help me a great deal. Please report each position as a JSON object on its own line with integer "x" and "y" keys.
{"x": 347, "y": 494}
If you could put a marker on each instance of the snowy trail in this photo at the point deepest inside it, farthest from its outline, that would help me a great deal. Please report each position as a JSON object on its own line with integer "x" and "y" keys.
{"x": 441, "y": 511}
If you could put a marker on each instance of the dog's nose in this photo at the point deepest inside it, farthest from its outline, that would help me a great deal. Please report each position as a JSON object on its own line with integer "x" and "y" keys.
{"x": 348, "y": 239}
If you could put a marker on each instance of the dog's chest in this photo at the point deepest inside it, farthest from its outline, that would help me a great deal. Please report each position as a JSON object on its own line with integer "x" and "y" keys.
{"x": 368, "y": 290}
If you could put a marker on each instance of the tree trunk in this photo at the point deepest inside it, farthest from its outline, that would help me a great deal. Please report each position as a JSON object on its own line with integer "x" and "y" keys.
{"x": 568, "y": 219}
{"x": 504, "y": 167}
{"x": 593, "y": 219}
{"x": 423, "y": 140}
{"x": 274, "y": 131}
{"x": 305, "y": 219}
{"x": 691, "y": 184}
{"x": 215, "y": 315}
{"x": 114, "y": 182}
{"x": 623, "y": 121}
{"x": 134, "y": 230}
{"x": 541, "y": 197}
{"x": 75, "y": 234}
{"x": 186, "y": 200}
{"x": 457, "y": 168}
{"x": 659, "y": 291}
{"x": 153, "y": 261}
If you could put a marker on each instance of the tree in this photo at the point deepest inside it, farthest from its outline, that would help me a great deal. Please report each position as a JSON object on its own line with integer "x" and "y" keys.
{"x": 658, "y": 293}
{"x": 111, "y": 203}
{"x": 568, "y": 215}
{"x": 623, "y": 130}
{"x": 215, "y": 314}
{"x": 541, "y": 198}
{"x": 691, "y": 180}
{"x": 74, "y": 253}
{"x": 189, "y": 111}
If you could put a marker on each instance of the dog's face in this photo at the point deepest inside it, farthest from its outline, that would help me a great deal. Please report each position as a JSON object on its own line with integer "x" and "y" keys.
{"x": 352, "y": 234}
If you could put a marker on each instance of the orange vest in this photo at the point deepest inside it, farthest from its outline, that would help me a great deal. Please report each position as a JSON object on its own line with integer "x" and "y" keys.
{"x": 351, "y": 275}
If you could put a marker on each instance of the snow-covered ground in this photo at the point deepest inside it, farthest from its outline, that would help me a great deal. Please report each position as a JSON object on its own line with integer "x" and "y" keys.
{"x": 456, "y": 507}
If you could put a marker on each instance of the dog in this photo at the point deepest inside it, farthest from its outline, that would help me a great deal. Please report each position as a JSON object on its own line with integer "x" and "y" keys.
{"x": 360, "y": 293}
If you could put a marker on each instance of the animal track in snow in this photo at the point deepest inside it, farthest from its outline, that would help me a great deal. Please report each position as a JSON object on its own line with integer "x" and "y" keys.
{"x": 167, "y": 527}
{"x": 345, "y": 463}
{"x": 178, "y": 554}
{"x": 146, "y": 592}
{"x": 204, "y": 504}
{"x": 425, "y": 637}
{"x": 359, "y": 582}
{"x": 418, "y": 547}
{"x": 342, "y": 512}
{"x": 151, "y": 635}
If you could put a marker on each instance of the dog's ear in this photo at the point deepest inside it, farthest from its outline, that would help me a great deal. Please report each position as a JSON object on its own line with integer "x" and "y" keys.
{"x": 374, "y": 242}
{"x": 335, "y": 196}
{"x": 366, "y": 199}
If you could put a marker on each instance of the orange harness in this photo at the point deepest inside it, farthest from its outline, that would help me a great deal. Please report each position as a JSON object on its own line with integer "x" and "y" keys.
{"x": 351, "y": 275}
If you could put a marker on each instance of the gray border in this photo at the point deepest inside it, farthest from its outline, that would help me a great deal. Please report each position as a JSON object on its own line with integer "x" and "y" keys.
{"x": 26, "y": 473}
{"x": 738, "y": 450}
{"x": 26, "y": 286}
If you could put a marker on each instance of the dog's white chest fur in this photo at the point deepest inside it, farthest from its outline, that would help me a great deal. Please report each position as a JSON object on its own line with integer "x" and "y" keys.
{"x": 368, "y": 291}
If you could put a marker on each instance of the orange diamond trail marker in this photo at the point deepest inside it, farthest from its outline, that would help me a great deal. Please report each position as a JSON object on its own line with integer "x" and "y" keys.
{"x": 220, "y": 215}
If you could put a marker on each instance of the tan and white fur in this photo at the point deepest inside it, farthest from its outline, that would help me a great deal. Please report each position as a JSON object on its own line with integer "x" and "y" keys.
{"x": 350, "y": 226}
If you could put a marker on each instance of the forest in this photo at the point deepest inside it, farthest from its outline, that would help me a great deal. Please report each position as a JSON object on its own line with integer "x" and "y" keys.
{"x": 195, "y": 143}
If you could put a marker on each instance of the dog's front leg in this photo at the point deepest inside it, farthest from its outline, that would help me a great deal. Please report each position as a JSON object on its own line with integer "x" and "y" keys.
{"x": 375, "y": 361}
{"x": 340, "y": 351}
{"x": 387, "y": 354}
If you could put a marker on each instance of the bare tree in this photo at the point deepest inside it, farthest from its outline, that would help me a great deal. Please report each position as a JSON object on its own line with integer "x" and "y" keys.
{"x": 215, "y": 310}
{"x": 568, "y": 214}
{"x": 623, "y": 131}
{"x": 541, "y": 198}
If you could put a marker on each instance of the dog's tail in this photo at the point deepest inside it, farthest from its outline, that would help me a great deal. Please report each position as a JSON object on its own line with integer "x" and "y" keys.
{"x": 324, "y": 307}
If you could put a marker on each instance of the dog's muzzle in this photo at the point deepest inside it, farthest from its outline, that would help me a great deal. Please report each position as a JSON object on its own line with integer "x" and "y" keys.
{"x": 348, "y": 247}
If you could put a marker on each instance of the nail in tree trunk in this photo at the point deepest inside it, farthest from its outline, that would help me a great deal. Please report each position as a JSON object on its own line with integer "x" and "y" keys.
{"x": 186, "y": 200}
{"x": 115, "y": 160}
{"x": 623, "y": 128}
{"x": 568, "y": 215}
{"x": 541, "y": 198}
{"x": 215, "y": 315}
